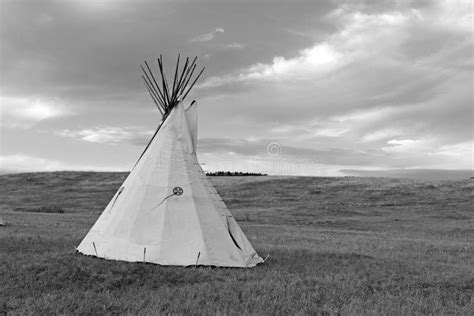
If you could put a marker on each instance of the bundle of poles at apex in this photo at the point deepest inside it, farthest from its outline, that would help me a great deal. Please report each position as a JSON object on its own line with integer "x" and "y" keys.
{"x": 164, "y": 97}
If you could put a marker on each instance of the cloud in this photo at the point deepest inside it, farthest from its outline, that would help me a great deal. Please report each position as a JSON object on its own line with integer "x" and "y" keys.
{"x": 380, "y": 134}
{"x": 207, "y": 36}
{"x": 461, "y": 153}
{"x": 235, "y": 46}
{"x": 347, "y": 46}
{"x": 109, "y": 135}
{"x": 393, "y": 82}
{"x": 366, "y": 78}
{"x": 314, "y": 61}
{"x": 403, "y": 145}
{"x": 24, "y": 111}
{"x": 283, "y": 150}
{"x": 283, "y": 154}
{"x": 366, "y": 45}
{"x": 26, "y": 163}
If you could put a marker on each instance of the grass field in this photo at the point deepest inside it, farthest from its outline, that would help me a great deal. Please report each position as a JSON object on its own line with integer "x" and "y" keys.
{"x": 337, "y": 245}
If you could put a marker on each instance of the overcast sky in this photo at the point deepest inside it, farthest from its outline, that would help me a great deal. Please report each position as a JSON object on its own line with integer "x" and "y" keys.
{"x": 294, "y": 87}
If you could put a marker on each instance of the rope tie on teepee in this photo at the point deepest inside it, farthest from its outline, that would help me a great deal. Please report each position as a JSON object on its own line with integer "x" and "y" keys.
{"x": 176, "y": 191}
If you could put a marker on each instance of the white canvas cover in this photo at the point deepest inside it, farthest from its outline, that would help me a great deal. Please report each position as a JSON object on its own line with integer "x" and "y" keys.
{"x": 167, "y": 211}
{"x": 2, "y": 222}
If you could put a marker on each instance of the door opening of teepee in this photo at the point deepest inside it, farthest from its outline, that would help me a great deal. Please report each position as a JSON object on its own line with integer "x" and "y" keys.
{"x": 167, "y": 211}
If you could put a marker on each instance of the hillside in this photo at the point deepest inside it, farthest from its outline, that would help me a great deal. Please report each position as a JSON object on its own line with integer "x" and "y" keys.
{"x": 338, "y": 245}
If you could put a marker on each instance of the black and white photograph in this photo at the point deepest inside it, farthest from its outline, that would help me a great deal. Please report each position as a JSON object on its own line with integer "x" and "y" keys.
{"x": 236, "y": 157}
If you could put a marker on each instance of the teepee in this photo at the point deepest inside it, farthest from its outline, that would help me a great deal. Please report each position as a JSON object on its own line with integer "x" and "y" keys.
{"x": 2, "y": 222}
{"x": 167, "y": 212}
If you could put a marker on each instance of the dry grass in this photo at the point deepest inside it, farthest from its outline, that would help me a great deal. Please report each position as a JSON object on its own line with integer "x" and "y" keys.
{"x": 337, "y": 245}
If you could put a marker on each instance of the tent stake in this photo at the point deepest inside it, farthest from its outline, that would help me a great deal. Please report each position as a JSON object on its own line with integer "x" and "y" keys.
{"x": 95, "y": 249}
{"x": 197, "y": 259}
{"x": 250, "y": 259}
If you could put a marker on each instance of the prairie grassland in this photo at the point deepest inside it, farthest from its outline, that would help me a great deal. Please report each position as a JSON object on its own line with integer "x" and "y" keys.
{"x": 337, "y": 245}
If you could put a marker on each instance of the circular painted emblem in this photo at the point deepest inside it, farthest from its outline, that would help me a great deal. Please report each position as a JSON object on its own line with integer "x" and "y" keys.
{"x": 178, "y": 190}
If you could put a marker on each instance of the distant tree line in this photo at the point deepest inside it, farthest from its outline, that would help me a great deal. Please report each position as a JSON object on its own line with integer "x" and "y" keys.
{"x": 233, "y": 174}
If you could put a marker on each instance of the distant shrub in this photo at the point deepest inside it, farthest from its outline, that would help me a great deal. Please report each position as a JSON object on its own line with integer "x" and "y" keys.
{"x": 42, "y": 209}
{"x": 233, "y": 174}
{"x": 34, "y": 180}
